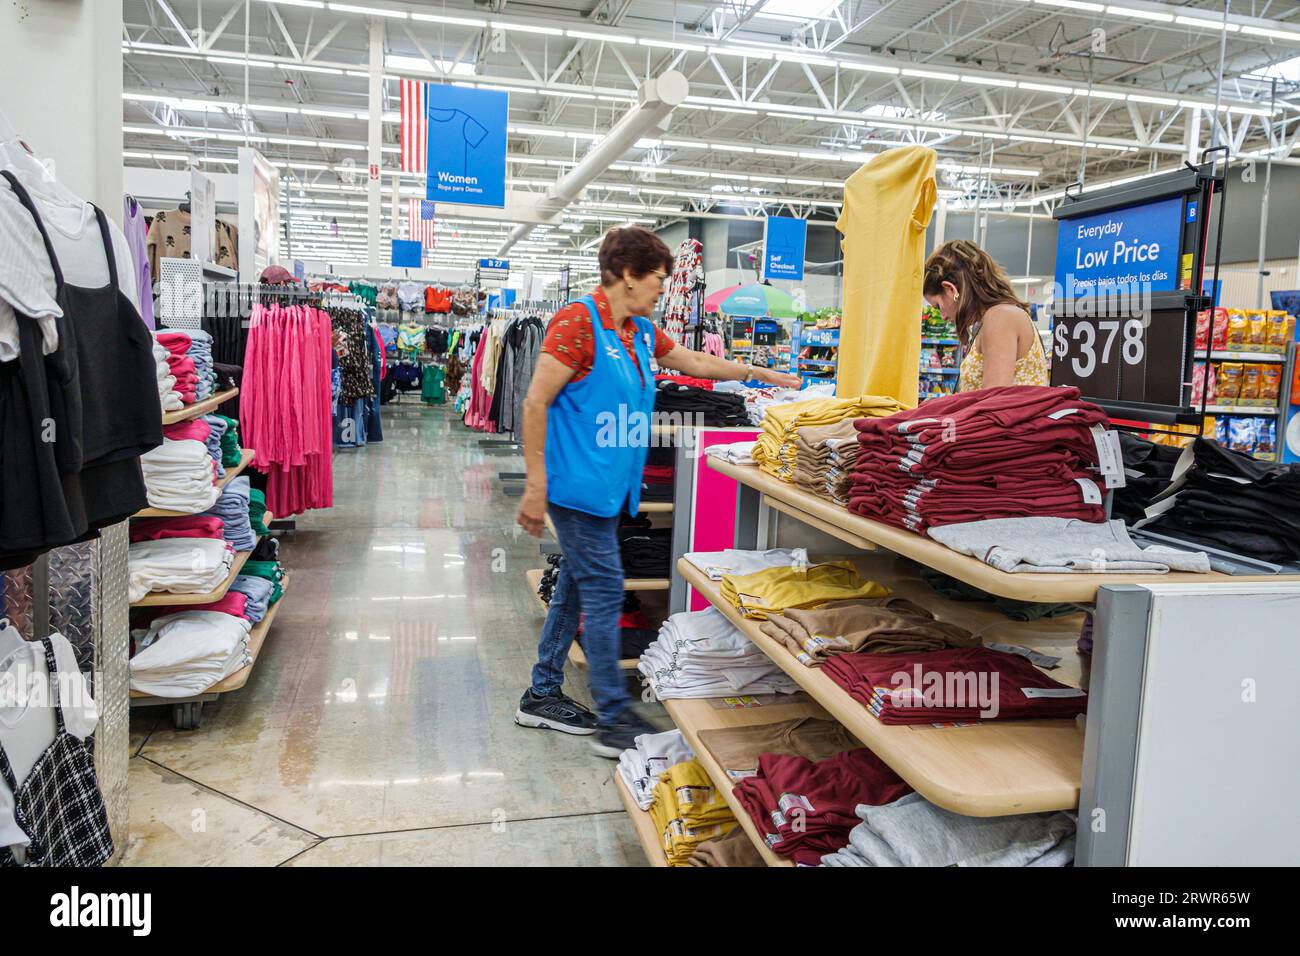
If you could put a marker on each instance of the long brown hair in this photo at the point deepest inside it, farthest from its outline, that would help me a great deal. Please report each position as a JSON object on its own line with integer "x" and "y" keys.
{"x": 979, "y": 280}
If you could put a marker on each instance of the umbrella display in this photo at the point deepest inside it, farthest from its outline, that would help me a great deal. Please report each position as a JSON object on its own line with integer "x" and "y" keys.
{"x": 712, "y": 302}
{"x": 756, "y": 301}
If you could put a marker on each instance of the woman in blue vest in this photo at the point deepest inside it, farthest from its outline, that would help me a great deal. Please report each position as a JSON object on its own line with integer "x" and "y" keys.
{"x": 586, "y": 430}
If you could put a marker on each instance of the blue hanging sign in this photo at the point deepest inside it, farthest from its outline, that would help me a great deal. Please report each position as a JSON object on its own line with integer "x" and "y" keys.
{"x": 1121, "y": 250}
{"x": 467, "y": 145}
{"x": 784, "y": 241}
{"x": 407, "y": 254}
{"x": 497, "y": 264}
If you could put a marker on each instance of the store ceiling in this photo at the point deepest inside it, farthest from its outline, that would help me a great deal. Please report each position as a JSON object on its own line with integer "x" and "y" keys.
{"x": 788, "y": 97}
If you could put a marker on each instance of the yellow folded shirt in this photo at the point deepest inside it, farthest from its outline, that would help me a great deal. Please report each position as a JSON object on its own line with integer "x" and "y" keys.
{"x": 773, "y": 590}
{"x": 688, "y": 810}
{"x": 774, "y": 451}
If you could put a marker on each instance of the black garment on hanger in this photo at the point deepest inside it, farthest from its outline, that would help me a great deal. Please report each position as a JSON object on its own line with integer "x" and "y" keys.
{"x": 98, "y": 393}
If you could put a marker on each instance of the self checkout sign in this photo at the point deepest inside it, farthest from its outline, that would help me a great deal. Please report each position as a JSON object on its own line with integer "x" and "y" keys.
{"x": 1121, "y": 332}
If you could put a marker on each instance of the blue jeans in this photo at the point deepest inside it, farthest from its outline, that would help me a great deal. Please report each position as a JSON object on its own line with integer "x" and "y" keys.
{"x": 591, "y": 585}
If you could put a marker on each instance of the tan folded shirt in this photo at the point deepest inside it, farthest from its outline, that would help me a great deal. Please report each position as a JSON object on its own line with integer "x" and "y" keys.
{"x": 737, "y": 748}
{"x": 734, "y": 849}
{"x": 871, "y": 626}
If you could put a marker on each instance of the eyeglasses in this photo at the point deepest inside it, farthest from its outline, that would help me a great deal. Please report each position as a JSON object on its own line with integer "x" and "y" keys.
{"x": 663, "y": 278}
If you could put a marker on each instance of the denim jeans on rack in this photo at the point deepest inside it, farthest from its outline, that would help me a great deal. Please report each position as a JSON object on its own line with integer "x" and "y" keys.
{"x": 590, "y": 585}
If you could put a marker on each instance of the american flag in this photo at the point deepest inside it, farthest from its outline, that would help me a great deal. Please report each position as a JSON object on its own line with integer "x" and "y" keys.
{"x": 420, "y": 223}
{"x": 415, "y": 126}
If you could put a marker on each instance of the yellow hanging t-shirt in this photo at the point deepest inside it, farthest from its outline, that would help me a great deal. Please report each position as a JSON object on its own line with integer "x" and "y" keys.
{"x": 887, "y": 207}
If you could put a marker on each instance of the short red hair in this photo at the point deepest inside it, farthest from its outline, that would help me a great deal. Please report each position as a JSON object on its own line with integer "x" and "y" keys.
{"x": 632, "y": 249}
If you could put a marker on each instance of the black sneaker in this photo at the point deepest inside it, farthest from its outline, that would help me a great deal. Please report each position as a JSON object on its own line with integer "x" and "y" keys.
{"x": 557, "y": 712}
{"x": 612, "y": 739}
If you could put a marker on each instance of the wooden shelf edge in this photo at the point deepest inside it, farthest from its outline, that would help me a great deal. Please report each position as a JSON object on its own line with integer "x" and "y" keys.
{"x": 645, "y": 829}
{"x": 256, "y": 638}
{"x": 166, "y": 598}
{"x": 907, "y": 748}
{"x": 208, "y": 405}
{"x": 655, "y": 507}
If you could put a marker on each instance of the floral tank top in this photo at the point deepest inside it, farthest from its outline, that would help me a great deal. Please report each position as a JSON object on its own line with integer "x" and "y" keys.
{"x": 1032, "y": 369}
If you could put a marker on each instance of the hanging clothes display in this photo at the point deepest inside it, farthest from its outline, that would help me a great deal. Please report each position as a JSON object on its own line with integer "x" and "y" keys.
{"x": 285, "y": 414}
{"x": 96, "y": 394}
{"x": 168, "y": 238}
{"x": 356, "y": 363}
{"x": 682, "y": 302}
{"x": 136, "y": 236}
{"x": 887, "y": 206}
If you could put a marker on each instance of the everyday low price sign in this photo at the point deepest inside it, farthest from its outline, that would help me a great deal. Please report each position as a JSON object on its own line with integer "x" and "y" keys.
{"x": 1131, "y": 249}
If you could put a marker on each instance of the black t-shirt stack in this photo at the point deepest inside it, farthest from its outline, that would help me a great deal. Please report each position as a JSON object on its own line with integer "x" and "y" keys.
{"x": 1149, "y": 468}
{"x": 1233, "y": 502}
{"x": 647, "y": 551}
{"x": 719, "y": 409}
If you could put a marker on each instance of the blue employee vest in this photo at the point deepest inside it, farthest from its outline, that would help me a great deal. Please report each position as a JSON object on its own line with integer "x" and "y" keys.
{"x": 598, "y": 429}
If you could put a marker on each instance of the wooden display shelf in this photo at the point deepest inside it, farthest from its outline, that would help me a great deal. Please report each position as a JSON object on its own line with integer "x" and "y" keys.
{"x": 256, "y": 638}
{"x": 167, "y": 598}
{"x": 655, "y": 507}
{"x": 205, "y": 407}
{"x": 245, "y": 459}
{"x": 651, "y": 842}
{"x": 994, "y": 768}
{"x": 534, "y": 578}
{"x": 1040, "y": 588}
{"x": 692, "y": 716}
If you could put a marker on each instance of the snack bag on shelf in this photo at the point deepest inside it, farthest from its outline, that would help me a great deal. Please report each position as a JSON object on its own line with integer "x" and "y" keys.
{"x": 1211, "y": 322}
{"x": 1270, "y": 382}
{"x": 1204, "y": 380}
{"x": 1265, "y": 436}
{"x": 1238, "y": 331}
{"x": 1241, "y": 435}
{"x": 1257, "y": 340}
{"x": 1250, "y": 376}
{"x": 1275, "y": 340}
{"x": 1210, "y": 427}
{"x": 1221, "y": 430}
{"x": 1228, "y": 387}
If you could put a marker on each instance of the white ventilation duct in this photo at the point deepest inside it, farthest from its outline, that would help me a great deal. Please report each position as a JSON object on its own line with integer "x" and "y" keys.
{"x": 657, "y": 99}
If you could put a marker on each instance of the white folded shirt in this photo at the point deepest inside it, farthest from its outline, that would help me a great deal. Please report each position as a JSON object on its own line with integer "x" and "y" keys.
{"x": 185, "y": 653}
{"x": 718, "y": 564}
{"x": 178, "y": 565}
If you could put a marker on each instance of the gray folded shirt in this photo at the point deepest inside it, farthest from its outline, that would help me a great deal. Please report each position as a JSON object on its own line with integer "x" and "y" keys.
{"x": 1062, "y": 545}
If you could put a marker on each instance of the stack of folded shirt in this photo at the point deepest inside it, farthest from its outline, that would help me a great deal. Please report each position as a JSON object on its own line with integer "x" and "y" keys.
{"x": 911, "y": 831}
{"x": 701, "y": 654}
{"x": 646, "y": 551}
{"x": 734, "y": 849}
{"x": 1230, "y": 501}
{"x": 181, "y": 365}
{"x": 880, "y": 626}
{"x": 775, "y": 451}
{"x": 180, "y": 476}
{"x": 217, "y": 426}
{"x": 268, "y": 570}
{"x": 200, "y": 352}
{"x": 687, "y": 810}
{"x": 257, "y": 511}
{"x": 1149, "y": 468}
{"x": 191, "y": 526}
{"x": 718, "y": 564}
{"x": 770, "y": 591}
{"x": 641, "y": 766}
{"x": 197, "y": 429}
{"x": 805, "y": 810}
{"x": 696, "y": 406}
{"x": 232, "y": 509}
{"x": 170, "y": 398}
{"x": 1006, "y": 452}
{"x": 738, "y": 749}
{"x": 178, "y": 566}
{"x": 1062, "y": 545}
{"x": 657, "y": 475}
{"x": 256, "y": 593}
{"x": 737, "y": 453}
{"x": 824, "y": 456}
{"x": 232, "y": 602}
{"x": 184, "y": 654}
{"x": 231, "y": 453}
{"x": 961, "y": 684}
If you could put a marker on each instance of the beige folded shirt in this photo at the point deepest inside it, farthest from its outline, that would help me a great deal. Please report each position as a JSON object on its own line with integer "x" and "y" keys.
{"x": 869, "y": 626}
{"x": 737, "y": 749}
{"x": 734, "y": 849}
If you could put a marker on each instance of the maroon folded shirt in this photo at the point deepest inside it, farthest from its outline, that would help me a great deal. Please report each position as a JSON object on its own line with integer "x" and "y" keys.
{"x": 191, "y": 526}
{"x": 805, "y": 809}
{"x": 954, "y": 684}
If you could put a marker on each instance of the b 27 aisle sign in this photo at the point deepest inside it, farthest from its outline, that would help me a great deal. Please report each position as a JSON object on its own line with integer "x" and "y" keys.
{"x": 467, "y": 145}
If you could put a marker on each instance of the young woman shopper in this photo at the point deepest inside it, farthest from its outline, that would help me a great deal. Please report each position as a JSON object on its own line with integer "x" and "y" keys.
{"x": 593, "y": 378}
{"x": 970, "y": 290}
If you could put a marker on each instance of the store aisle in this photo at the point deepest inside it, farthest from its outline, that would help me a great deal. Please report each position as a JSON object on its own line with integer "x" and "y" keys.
{"x": 377, "y": 726}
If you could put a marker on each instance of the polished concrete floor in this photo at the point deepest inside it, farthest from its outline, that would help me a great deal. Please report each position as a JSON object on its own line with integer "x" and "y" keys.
{"x": 377, "y": 725}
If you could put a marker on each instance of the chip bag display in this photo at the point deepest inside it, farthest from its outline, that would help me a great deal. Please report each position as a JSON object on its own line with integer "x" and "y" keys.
{"x": 1241, "y": 435}
{"x": 1249, "y": 393}
{"x": 1265, "y": 436}
{"x": 1238, "y": 331}
{"x": 1270, "y": 383}
{"x": 1228, "y": 387}
{"x": 1257, "y": 338}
